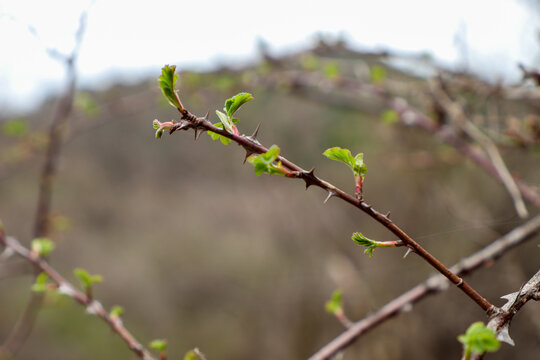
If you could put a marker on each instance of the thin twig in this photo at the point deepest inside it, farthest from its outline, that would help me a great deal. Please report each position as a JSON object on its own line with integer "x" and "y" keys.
{"x": 57, "y": 131}
{"x": 433, "y": 285}
{"x": 92, "y": 306}
{"x": 459, "y": 119}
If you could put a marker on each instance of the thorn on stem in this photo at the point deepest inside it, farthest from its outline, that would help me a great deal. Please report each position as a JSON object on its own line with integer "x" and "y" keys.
{"x": 409, "y": 250}
{"x": 255, "y": 133}
{"x": 388, "y": 215}
{"x": 309, "y": 177}
{"x": 330, "y": 194}
{"x": 249, "y": 152}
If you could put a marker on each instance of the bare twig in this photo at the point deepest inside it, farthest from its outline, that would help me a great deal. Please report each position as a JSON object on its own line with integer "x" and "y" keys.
{"x": 57, "y": 130}
{"x": 92, "y": 306}
{"x": 433, "y": 285}
{"x": 459, "y": 119}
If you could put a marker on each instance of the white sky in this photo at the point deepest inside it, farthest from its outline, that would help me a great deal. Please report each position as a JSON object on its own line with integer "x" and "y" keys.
{"x": 131, "y": 39}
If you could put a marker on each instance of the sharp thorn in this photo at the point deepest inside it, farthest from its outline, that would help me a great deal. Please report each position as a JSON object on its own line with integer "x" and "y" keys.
{"x": 330, "y": 194}
{"x": 248, "y": 154}
{"x": 206, "y": 116}
{"x": 409, "y": 250}
{"x": 388, "y": 214}
{"x": 256, "y": 132}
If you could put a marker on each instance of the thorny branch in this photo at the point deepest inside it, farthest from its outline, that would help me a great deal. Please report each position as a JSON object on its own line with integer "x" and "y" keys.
{"x": 500, "y": 321}
{"x": 92, "y": 306}
{"x": 433, "y": 285}
{"x": 252, "y": 146}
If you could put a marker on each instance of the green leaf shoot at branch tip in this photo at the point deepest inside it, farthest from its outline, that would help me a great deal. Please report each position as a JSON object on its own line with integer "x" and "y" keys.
{"x": 159, "y": 345}
{"x": 356, "y": 164}
{"x": 42, "y": 246}
{"x": 479, "y": 339}
{"x": 265, "y": 163}
{"x": 334, "y": 305}
{"x": 41, "y": 282}
{"x": 116, "y": 311}
{"x": 232, "y": 104}
{"x": 364, "y": 241}
{"x": 167, "y": 83}
{"x": 161, "y": 127}
{"x": 86, "y": 279}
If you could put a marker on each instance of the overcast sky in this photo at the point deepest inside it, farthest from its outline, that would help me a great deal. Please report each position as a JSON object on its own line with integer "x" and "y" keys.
{"x": 134, "y": 38}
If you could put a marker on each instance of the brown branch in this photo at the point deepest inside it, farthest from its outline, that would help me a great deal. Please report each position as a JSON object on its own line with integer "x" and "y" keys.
{"x": 458, "y": 118}
{"x": 64, "y": 287}
{"x": 252, "y": 146}
{"x": 57, "y": 131}
{"x": 433, "y": 285}
{"x": 408, "y": 116}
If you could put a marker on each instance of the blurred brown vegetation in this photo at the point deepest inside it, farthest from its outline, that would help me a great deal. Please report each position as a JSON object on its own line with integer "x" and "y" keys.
{"x": 202, "y": 252}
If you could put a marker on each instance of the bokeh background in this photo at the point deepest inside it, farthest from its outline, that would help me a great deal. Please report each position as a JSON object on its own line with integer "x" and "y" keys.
{"x": 199, "y": 250}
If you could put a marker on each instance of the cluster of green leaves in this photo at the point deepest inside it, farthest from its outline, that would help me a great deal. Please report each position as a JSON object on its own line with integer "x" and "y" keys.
{"x": 86, "y": 279}
{"x": 42, "y": 246}
{"x": 344, "y": 155}
{"x": 167, "y": 84}
{"x": 228, "y": 121}
{"x": 334, "y": 305}
{"x": 478, "y": 339}
{"x": 266, "y": 163}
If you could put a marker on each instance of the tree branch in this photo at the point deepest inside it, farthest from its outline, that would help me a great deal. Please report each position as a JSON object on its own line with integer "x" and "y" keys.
{"x": 252, "y": 146}
{"x": 64, "y": 287}
{"x": 433, "y": 285}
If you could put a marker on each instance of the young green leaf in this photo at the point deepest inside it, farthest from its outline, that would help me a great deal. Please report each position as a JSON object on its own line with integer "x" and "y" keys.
{"x": 159, "y": 345}
{"x": 331, "y": 69}
{"x": 364, "y": 241}
{"x": 232, "y": 104}
{"x": 191, "y": 355}
{"x": 265, "y": 163}
{"x": 86, "y": 279}
{"x": 334, "y": 305}
{"x": 344, "y": 155}
{"x": 15, "y": 128}
{"x": 390, "y": 116}
{"x": 479, "y": 339}
{"x": 167, "y": 83}
{"x": 42, "y": 246}
{"x": 378, "y": 74}
{"x": 41, "y": 282}
{"x": 116, "y": 311}
{"x": 215, "y": 136}
{"x": 226, "y": 121}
